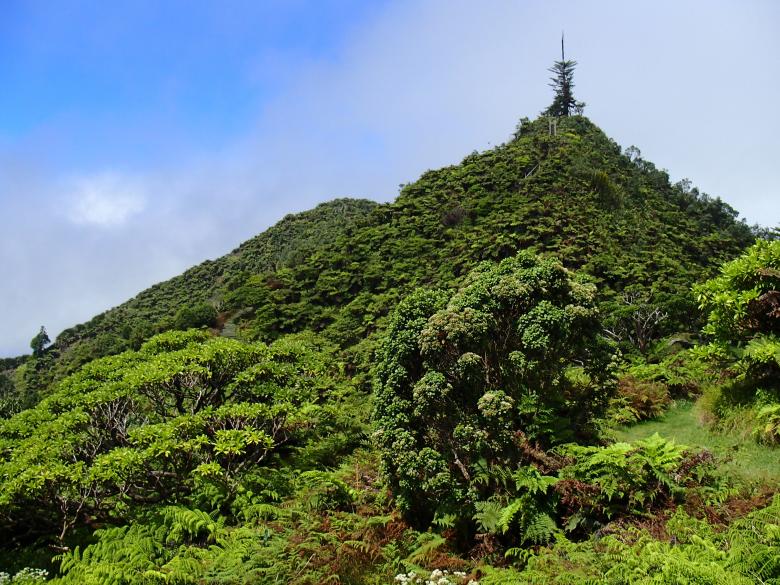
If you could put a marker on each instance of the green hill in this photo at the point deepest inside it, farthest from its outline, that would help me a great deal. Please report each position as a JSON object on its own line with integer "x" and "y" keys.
{"x": 341, "y": 267}
{"x": 154, "y": 310}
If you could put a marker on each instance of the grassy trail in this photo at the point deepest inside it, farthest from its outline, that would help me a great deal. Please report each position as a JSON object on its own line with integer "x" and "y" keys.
{"x": 742, "y": 456}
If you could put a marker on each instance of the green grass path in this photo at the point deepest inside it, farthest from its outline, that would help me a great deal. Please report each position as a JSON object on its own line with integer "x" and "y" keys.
{"x": 742, "y": 456}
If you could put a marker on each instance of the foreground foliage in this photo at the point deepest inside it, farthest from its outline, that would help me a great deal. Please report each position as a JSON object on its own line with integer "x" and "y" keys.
{"x": 744, "y": 313}
{"x": 471, "y": 381}
{"x": 689, "y": 551}
{"x": 744, "y": 324}
{"x": 183, "y": 419}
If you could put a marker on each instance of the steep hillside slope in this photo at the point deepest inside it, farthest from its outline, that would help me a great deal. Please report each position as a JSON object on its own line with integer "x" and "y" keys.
{"x": 289, "y": 241}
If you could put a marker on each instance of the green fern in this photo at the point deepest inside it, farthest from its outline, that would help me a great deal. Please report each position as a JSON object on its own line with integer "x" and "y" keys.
{"x": 428, "y": 545}
{"x": 185, "y": 524}
{"x": 488, "y": 515}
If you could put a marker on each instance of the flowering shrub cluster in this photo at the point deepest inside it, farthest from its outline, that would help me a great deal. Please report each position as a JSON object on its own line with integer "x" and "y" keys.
{"x": 436, "y": 577}
{"x": 26, "y": 576}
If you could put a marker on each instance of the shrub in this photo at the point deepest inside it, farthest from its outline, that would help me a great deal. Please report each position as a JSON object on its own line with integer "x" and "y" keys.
{"x": 625, "y": 478}
{"x": 744, "y": 314}
{"x": 693, "y": 552}
{"x": 768, "y": 424}
{"x": 200, "y": 315}
{"x": 185, "y": 416}
{"x": 466, "y": 379}
{"x": 684, "y": 373}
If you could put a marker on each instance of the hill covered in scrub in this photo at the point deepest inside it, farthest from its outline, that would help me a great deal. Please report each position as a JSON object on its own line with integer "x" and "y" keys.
{"x": 341, "y": 267}
{"x": 191, "y": 299}
{"x": 452, "y": 388}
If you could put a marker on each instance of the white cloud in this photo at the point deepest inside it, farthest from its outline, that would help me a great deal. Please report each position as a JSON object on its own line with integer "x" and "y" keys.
{"x": 106, "y": 200}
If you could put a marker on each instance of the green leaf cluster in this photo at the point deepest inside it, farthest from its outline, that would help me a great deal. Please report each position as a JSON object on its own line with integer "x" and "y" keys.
{"x": 690, "y": 551}
{"x": 743, "y": 323}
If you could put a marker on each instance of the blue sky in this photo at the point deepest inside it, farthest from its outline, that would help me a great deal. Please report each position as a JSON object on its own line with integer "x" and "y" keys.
{"x": 147, "y": 77}
{"x": 138, "y": 138}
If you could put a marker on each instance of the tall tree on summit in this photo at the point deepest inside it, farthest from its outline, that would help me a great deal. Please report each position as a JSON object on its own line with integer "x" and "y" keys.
{"x": 564, "y": 103}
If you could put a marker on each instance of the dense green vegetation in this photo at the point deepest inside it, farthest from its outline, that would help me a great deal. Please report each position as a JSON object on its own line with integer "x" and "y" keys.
{"x": 546, "y": 364}
{"x": 469, "y": 383}
{"x": 750, "y": 461}
{"x": 341, "y": 267}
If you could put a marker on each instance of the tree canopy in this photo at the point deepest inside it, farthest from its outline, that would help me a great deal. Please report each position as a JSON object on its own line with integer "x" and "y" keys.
{"x": 39, "y": 342}
{"x": 180, "y": 420}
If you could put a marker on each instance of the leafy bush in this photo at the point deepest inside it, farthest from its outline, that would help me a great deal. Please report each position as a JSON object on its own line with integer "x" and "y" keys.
{"x": 692, "y": 551}
{"x": 684, "y": 373}
{"x": 622, "y": 478}
{"x": 280, "y": 538}
{"x": 183, "y": 417}
{"x": 191, "y": 316}
{"x": 768, "y": 424}
{"x": 744, "y": 325}
{"x": 744, "y": 313}
{"x": 522, "y": 506}
{"x": 468, "y": 378}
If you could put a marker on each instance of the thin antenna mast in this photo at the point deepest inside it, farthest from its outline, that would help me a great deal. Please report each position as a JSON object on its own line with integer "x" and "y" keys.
{"x": 563, "y": 58}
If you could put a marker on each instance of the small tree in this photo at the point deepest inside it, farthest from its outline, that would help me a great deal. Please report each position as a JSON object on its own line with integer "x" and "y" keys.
{"x": 562, "y": 83}
{"x": 635, "y": 318}
{"x": 39, "y": 342}
{"x": 199, "y": 315}
{"x": 513, "y": 360}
